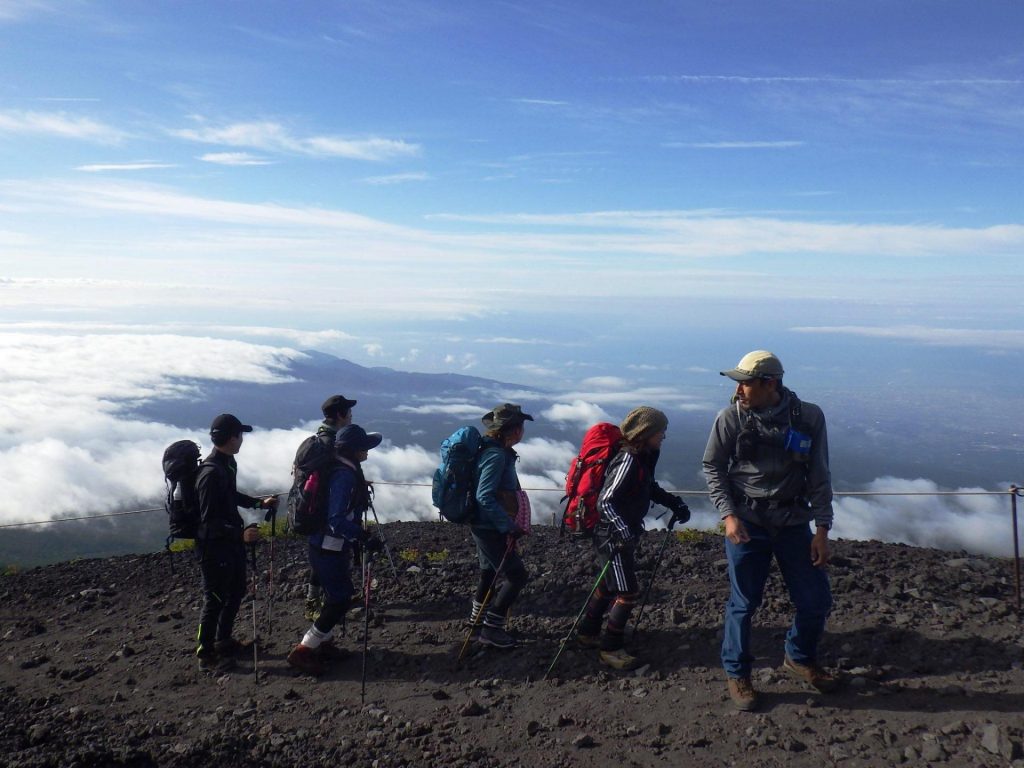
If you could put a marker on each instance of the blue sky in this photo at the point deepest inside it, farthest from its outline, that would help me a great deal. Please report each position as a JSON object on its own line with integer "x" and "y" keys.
{"x": 542, "y": 193}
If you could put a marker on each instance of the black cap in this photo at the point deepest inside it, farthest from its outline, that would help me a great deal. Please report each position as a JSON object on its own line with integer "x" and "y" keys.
{"x": 355, "y": 438}
{"x": 336, "y": 403}
{"x": 226, "y": 424}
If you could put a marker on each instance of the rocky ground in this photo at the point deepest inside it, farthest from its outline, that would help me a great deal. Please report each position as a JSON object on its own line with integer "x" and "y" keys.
{"x": 97, "y": 667}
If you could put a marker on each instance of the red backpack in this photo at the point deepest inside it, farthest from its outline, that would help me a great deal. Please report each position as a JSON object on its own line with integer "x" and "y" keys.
{"x": 586, "y": 476}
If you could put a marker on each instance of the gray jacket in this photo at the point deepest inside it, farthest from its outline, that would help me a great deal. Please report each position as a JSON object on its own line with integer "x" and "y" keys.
{"x": 772, "y": 489}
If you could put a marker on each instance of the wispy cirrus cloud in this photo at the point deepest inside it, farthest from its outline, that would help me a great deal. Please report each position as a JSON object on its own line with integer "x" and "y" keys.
{"x": 16, "y": 10}
{"x": 828, "y": 80}
{"x": 234, "y": 158}
{"x": 270, "y": 136}
{"x": 541, "y": 102}
{"x": 59, "y": 125}
{"x": 732, "y": 144}
{"x": 395, "y": 178}
{"x": 104, "y": 167}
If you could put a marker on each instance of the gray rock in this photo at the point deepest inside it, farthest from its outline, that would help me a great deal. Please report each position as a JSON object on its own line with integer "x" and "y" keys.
{"x": 996, "y": 739}
{"x": 38, "y": 733}
{"x": 932, "y": 751}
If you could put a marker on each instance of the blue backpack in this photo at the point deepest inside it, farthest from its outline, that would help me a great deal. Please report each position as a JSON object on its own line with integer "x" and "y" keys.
{"x": 454, "y": 487}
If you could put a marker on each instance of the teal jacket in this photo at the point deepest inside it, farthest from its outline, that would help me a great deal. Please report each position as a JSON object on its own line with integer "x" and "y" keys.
{"x": 495, "y": 472}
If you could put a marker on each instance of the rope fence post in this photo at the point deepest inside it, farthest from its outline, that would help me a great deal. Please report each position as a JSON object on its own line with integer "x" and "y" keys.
{"x": 1014, "y": 493}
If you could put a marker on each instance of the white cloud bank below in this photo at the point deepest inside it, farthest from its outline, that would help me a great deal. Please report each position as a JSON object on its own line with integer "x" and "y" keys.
{"x": 68, "y": 451}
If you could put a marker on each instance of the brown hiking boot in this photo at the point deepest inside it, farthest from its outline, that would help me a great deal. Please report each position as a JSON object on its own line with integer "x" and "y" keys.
{"x": 305, "y": 659}
{"x": 812, "y": 674}
{"x": 619, "y": 659}
{"x": 742, "y": 693}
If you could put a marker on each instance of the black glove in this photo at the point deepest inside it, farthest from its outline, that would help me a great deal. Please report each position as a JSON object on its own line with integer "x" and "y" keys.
{"x": 680, "y": 514}
{"x": 516, "y": 532}
{"x": 373, "y": 544}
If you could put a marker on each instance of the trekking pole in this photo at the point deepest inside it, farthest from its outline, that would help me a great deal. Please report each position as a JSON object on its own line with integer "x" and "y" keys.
{"x": 654, "y": 574}
{"x": 367, "y": 573}
{"x": 255, "y": 642}
{"x": 487, "y": 598}
{"x": 272, "y": 516}
{"x": 380, "y": 535}
{"x": 579, "y": 617}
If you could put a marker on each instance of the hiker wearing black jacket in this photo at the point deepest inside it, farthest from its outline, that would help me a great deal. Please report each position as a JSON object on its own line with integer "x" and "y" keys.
{"x": 220, "y": 543}
{"x": 626, "y": 495}
{"x": 337, "y": 411}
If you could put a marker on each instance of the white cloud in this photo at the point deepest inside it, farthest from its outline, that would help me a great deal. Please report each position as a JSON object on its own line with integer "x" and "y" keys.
{"x": 605, "y": 382}
{"x": 395, "y": 178}
{"x": 67, "y": 449}
{"x": 301, "y": 337}
{"x": 978, "y": 523}
{"x": 58, "y": 124}
{"x": 579, "y": 412}
{"x": 538, "y": 371}
{"x": 141, "y": 166}
{"x": 630, "y": 398}
{"x": 734, "y": 144}
{"x": 989, "y": 338}
{"x": 269, "y": 136}
{"x": 56, "y": 384}
{"x": 373, "y": 350}
{"x": 461, "y": 410}
{"x": 234, "y": 158}
{"x": 171, "y": 235}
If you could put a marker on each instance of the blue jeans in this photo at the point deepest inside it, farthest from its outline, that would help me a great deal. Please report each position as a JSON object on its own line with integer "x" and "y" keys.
{"x": 808, "y": 586}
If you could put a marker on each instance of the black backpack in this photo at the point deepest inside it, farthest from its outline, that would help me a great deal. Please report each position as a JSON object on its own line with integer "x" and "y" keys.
{"x": 315, "y": 462}
{"x": 181, "y": 467}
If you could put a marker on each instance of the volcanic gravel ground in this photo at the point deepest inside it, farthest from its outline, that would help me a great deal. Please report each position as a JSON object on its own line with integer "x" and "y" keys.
{"x": 98, "y": 666}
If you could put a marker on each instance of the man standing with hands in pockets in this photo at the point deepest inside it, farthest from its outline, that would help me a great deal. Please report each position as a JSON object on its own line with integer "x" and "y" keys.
{"x": 766, "y": 466}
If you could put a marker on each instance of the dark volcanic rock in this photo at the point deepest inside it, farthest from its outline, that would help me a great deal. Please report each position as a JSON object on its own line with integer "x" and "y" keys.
{"x": 97, "y": 666}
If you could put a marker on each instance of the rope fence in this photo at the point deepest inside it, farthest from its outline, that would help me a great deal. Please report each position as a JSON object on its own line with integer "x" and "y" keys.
{"x": 1013, "y": 492}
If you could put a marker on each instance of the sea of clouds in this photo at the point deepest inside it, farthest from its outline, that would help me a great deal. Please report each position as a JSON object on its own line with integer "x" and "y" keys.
{"x": 67, "y": 449}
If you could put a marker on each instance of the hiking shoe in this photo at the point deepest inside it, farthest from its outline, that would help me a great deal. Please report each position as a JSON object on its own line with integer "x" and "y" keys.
{"x": 497, "y": 637}
{"x": 305, "y": 659}
{"x": 588, "y": 641}
{"x": 812, "y": 674}
{"x": 232, "y": 647}
{"x": 313, "y": 606}
{"x": 619, "y": 659}
{"x": 213, "y": 664}
{"x": 742, "y": 693}
{"x": 328, "y": 651}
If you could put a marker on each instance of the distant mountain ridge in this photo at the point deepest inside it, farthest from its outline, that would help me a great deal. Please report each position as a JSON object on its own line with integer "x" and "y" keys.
{"x": 378, "y": 390}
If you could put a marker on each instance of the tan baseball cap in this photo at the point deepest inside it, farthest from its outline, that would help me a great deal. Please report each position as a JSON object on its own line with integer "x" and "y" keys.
{"x": 759, "y": 364}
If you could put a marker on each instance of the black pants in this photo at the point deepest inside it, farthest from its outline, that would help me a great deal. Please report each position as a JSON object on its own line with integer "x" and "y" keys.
{"x": 491, "y": 547}
{"x": 222, "y": 563}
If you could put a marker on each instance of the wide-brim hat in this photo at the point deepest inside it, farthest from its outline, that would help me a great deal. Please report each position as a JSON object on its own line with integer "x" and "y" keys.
{"x": 759, "y": 364}
{"x": 504, "y": 415}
